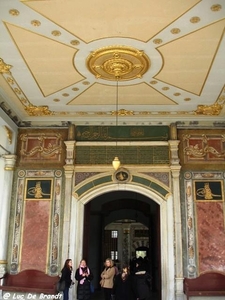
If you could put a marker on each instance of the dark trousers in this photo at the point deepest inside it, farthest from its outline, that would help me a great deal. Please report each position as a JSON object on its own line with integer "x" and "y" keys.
{"x": 66, "y": 294}
{"x": 107, "y": 293}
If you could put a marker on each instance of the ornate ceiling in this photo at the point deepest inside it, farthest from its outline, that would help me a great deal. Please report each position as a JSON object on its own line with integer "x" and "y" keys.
{"x": 62, "y": 61}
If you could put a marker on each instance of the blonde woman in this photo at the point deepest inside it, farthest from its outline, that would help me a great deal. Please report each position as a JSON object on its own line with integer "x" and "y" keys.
{"x": 84, "y": 276}
{"x": 107, "y": 277}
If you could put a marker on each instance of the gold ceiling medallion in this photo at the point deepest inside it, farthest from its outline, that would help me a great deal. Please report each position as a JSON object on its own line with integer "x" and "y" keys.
{"x": 118, "y": 62}
{"x": 38, "y": 110}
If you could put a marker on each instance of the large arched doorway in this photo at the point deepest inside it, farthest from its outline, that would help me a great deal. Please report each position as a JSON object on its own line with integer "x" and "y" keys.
{"x": 124, "y": 226}
{"x": 78, "y": 229}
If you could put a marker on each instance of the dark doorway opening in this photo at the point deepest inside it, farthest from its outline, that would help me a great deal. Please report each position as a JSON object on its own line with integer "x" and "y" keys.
{"x": 136, "y": 218}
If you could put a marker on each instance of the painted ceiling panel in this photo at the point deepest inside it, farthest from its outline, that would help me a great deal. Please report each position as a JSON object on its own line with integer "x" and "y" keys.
{"x": 60, "y": 61}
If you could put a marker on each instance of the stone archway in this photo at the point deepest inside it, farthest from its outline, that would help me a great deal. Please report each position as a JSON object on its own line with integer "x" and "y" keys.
{"x": 166, "y": 222}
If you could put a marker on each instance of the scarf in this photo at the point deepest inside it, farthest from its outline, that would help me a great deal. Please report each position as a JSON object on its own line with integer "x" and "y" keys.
{"x": 81, "y": 271}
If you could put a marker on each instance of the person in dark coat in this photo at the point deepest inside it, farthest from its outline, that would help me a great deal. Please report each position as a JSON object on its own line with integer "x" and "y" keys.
{"x": 66, "y": 276}
{"x": 84, "y": 276}
{"x": 122, "y": 288}
{"x": 142, "y": 282}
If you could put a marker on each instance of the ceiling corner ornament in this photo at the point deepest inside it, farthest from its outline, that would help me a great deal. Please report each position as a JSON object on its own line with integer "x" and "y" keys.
{"x": 4, "y": 68}
{"x": 38, "y": 110}
{"x": 118, "y": 62}
{"x": 211, "y": 110}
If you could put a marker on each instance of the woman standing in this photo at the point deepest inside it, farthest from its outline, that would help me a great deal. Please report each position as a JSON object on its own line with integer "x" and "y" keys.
{"x": 142, "y": 282}
{"x": 123, "y": 287}
{"x": 66, "y": 276}
{"x": 107, "y": 277}
{"x": 84, "y": 276}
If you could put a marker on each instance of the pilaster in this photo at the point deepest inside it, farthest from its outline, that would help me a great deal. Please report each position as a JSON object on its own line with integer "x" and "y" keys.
{"x": 5, "y": 203}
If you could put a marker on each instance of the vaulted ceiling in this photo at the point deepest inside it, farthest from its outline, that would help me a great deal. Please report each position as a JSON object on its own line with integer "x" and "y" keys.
{"x": 148, "y": 62}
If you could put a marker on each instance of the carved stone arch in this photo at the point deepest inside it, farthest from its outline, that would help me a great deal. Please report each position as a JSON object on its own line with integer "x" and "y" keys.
{"x": 166, "y": 222}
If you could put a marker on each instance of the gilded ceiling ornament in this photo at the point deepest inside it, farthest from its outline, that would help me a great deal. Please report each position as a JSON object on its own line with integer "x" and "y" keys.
{"x": 75, "y": 89}
{"x": 195, "y": 20}
{"x": 86, "y": 82}
{"x": 10, "y": 80}
{"x": 24, "y": 101}
{"x": 56, "y": 100}
{"x": 153, "y": 82}
{"x": 65, "y": 95}
{"x": 118, "y": 63}
{"x": 4, "y": 68}
{"x": 176, "y": 94}
{"x": 9, "y": 134}
{"x": 18, "y": 91}
{"x": 187, "y": 99}
{"x": 56, "y": 33}
{"x": 35, "y": 23}
{"x": 144, "y": 113}
{"x": 74, "y": 42}
{"x": 14, "y": 12}
{"x": 165, "y": 88}
{"x": 38, "y": 110}
{"x": 123, "y": 112}
{"x": 157, "y": 41}
{"x": 216, "y": 7}
{"x": 175, "y": 30}
{"x": 211, "y": 110}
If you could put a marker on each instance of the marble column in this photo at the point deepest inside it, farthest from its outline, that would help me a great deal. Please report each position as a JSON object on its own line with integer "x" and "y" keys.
{"x": 5, "y": 203}
{"x": 69, "y": 172}
{"x": 175, "y": 171}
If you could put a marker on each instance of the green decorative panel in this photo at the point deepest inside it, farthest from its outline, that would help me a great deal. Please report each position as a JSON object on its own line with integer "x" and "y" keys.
{"x": 101, "y": 155}
{"x": 122, "y": 133}
{"x": 152, "y": 185}
{"x": 88, "y": 186}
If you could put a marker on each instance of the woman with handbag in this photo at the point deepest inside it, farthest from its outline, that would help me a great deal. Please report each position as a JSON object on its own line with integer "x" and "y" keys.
{"x": 66, "y": 277}
{"x": 84, "y": 276}
{"x": 107, "y": 277}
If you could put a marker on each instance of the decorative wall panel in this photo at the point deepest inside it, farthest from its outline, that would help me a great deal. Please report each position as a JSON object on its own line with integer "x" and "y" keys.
{"x": 37, "y": 147}
{"x": 98, "y": 155}
{"x": 37, "y": 221}
{"x": 205, "y": 148}
{"x": 204, "y": 198}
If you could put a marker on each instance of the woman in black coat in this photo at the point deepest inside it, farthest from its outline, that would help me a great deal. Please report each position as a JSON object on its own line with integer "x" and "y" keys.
{"x": 142, "y": 282}
{"x": 66, "y": 276}
{"x": 84, "y": 276}
{"x": 123, "y": 288}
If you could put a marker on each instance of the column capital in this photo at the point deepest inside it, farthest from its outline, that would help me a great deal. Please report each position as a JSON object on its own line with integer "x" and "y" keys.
{"x": 70, "y": 146}
{"x": 175, "y": 170}
{"x": 174, "y": 158}
{"x": 10, "y": 161}
{"x": 69, "y": 171}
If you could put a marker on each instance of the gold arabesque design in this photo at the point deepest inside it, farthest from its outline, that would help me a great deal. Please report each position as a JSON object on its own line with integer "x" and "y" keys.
{"x": 211, "y": 110}
{"x": 123, "y": 112}
{"x": 38, "y": 110}
{"x": 9, "y": 134}
{"x": 118, "y": 62}
{"x": 4, "y": 68}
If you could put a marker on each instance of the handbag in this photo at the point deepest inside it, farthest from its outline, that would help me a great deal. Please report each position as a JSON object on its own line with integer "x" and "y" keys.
{"x": 60, "y": 286}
